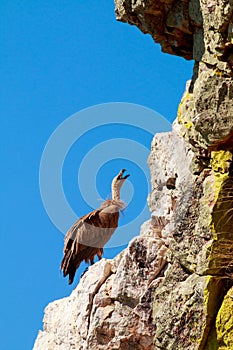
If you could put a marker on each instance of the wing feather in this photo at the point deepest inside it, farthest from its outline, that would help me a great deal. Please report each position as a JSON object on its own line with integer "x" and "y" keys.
{"x": 86, "y": 238}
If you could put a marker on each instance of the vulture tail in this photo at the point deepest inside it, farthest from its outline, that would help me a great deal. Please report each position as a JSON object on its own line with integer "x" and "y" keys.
{"x": 66, "y": 262}
{"x": 69, "y": 265}
{"x": 71, "y": 276}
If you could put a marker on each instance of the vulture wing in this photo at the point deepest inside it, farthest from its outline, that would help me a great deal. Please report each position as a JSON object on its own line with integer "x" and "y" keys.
{"x": 86, "y": 238}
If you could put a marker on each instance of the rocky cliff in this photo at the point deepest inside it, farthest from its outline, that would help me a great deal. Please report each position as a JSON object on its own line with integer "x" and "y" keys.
{"x": 172, "y": 287}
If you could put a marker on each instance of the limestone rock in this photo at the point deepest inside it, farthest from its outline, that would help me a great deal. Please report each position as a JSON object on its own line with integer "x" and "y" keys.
{"x": 202, "y": 30}
{"x": 198, "y": 237}
{"x": 196, "y": 29}
{"x": 167, "y": 21}
{"x": 66, "y": 321}
{"x": 205, "y": 113}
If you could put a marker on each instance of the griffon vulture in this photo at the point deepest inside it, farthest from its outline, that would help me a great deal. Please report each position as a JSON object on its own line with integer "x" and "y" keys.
{"x": 87, "y": 237}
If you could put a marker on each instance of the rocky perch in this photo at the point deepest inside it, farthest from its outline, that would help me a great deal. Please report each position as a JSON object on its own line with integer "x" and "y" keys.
{"x": 172, "y": 287}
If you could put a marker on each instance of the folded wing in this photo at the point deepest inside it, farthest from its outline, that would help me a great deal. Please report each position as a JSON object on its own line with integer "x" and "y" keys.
{"x": 86, "y": 238}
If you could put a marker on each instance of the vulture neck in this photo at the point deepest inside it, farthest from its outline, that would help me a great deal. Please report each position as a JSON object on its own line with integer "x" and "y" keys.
{"x": 115, "y": 204}
{"x": 115, "y": 195}
{"x": 116, "y": 192}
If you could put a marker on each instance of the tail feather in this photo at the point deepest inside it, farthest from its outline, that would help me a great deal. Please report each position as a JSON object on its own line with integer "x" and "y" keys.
{"x": 71, "y": 276}
{"x": 73, "y": 258}
{"x": 69, "y": 265}
{"x": 66, "y": 263}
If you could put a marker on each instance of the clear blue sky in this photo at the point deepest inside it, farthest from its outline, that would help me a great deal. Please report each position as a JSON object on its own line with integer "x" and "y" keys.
{"x": 57, "y": 58}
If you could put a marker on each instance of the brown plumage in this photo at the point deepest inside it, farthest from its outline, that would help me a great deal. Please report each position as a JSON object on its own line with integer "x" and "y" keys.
{"x": 87, "y": 237}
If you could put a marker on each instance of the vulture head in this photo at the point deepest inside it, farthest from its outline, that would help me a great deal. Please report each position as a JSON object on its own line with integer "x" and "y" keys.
{"x": 117, "y": 183}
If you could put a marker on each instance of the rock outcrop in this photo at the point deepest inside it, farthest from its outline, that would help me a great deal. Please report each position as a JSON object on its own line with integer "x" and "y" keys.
{"x": 172, "y": 287}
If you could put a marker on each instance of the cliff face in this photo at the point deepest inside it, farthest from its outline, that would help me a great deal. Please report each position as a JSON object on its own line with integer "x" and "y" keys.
{"x": 171, "y": 288}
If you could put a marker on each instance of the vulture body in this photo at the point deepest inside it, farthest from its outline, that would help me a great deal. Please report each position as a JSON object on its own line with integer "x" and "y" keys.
{"x": 87, "y": 237}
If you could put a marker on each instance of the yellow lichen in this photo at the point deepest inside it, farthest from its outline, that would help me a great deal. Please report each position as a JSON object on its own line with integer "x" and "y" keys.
{"x": 212, "y": 291}
{"x": 220, "y": 164}
{"x": 224, "y": 323}
{"x": 220, "y": 331}
{"x": 182, "y": 119}
{"x": 220, "y": 161}
{"x": 218, "y": 72}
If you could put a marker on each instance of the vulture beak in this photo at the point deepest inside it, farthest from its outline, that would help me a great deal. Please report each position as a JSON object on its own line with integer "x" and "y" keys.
{"x": 121, "y": 177}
